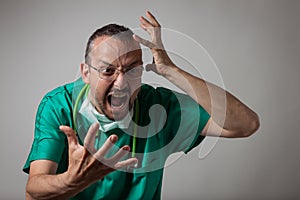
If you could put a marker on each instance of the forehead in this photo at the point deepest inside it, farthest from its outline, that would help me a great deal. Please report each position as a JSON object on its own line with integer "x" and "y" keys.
{"x": 112, "y": 49}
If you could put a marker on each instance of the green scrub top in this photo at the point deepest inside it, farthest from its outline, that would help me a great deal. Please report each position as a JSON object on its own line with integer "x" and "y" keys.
{"x": 173, "y": 126}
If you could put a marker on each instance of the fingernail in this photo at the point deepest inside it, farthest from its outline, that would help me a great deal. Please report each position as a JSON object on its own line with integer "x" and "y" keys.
{"x": 96, "y": 124}
{"x": 126, "y": 148}
{"x": 113, "y": 139}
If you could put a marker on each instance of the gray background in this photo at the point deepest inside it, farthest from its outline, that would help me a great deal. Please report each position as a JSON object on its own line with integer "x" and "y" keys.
{"x": 254, "y": 43}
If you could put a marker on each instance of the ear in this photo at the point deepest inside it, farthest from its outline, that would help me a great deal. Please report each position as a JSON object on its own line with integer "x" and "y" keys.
{"x": 85, "y": 73}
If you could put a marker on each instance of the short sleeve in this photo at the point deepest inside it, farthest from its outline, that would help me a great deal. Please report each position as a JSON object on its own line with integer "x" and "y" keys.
{"x": 186, "y": 120}
{"x": 196, "y": 138}
{"x": 49, "y": 142}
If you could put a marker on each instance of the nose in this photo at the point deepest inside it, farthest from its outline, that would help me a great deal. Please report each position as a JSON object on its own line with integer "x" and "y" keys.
{"x": 120, "y": 81}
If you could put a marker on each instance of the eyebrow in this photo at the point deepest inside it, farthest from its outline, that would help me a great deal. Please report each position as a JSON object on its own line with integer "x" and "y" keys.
{"x": 111, "y": 65}
{"x": 134, "y": 63}
{"x": 106, "y": 63}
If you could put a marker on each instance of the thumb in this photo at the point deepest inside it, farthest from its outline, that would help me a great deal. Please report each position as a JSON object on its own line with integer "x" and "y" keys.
{"x": 71, "y": 135}
{"x": 151, "y": 67}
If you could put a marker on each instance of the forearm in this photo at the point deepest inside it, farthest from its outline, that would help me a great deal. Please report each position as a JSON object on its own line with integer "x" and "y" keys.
{"x": 46, "y": 186}
{"x": 225, "y": 109}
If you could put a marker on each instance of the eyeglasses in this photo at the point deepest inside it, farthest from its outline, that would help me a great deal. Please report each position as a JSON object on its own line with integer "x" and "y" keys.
{"x": 111, "y": 73}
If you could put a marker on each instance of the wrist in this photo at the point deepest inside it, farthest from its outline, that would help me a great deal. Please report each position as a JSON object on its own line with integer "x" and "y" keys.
{"x": 65, "y": 180}
{"x": 74, "y": 184}
{"x": 68, "y": 182}
{"x": 70, "y": 187}
{"x": 171, "y": 72}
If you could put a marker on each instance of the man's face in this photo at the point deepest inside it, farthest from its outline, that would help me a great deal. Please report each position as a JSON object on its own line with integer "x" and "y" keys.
{"x": 114, "y": 98}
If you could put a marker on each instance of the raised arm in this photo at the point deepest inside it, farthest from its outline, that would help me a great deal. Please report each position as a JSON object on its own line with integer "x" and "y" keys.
{"x": 230, "y": 119}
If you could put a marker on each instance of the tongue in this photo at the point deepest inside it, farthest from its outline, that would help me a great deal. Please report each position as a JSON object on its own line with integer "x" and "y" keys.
{"x": 116, "y": 101}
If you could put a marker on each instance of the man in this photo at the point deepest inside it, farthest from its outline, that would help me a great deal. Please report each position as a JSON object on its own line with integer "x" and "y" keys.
{"x": 104, "y": 116}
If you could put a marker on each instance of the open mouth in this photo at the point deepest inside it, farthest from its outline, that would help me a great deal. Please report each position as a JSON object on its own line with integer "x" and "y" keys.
{"x": 117, "y": 100}
{"x": 119, "y": 103}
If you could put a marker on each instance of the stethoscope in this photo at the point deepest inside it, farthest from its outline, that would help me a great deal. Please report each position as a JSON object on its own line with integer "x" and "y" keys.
{"x": 84, "y": 92}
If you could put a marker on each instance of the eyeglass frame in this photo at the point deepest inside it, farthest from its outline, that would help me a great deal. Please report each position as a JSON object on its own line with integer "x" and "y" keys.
{"x": 117, "y": 72}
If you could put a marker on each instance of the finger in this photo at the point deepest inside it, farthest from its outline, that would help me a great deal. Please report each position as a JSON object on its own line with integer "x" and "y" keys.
{"x": 106, "y": 147}
{"x": 145, "y": 22}
{"x": 126, "y": 163}
{"x": 120, "y": 154}
{"x": 89, "y": 140}
{"x": 147, "y": 26}
{"x": 152, "y": 19}
{"x": 143, "y": 41}
{"x": 71, "y": 135}
{"x": 144, "y": 27}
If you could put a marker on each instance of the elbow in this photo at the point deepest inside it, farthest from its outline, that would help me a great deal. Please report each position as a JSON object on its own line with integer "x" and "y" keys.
{"x": 253, "y": 126}
{"x": 28, "y": 196}
{"x": 29, "y": 191}
{"x": 31, "y": 195}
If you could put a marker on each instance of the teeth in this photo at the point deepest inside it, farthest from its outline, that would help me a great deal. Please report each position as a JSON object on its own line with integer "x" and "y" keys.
{"x": 119, "y": 95}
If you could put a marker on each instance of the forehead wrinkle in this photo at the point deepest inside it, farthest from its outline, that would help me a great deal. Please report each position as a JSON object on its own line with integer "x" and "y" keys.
{"x": 116, "y": 50}
{"x": 104, "y": 47}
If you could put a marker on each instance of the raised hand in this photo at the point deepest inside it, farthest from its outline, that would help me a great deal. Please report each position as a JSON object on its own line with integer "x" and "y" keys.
{"x": 161, "y": 61}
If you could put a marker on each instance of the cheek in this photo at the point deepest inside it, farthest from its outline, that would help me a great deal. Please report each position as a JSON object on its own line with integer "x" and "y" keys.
{"x": 134, "y": 88}
{"x": 99, "y": 90}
